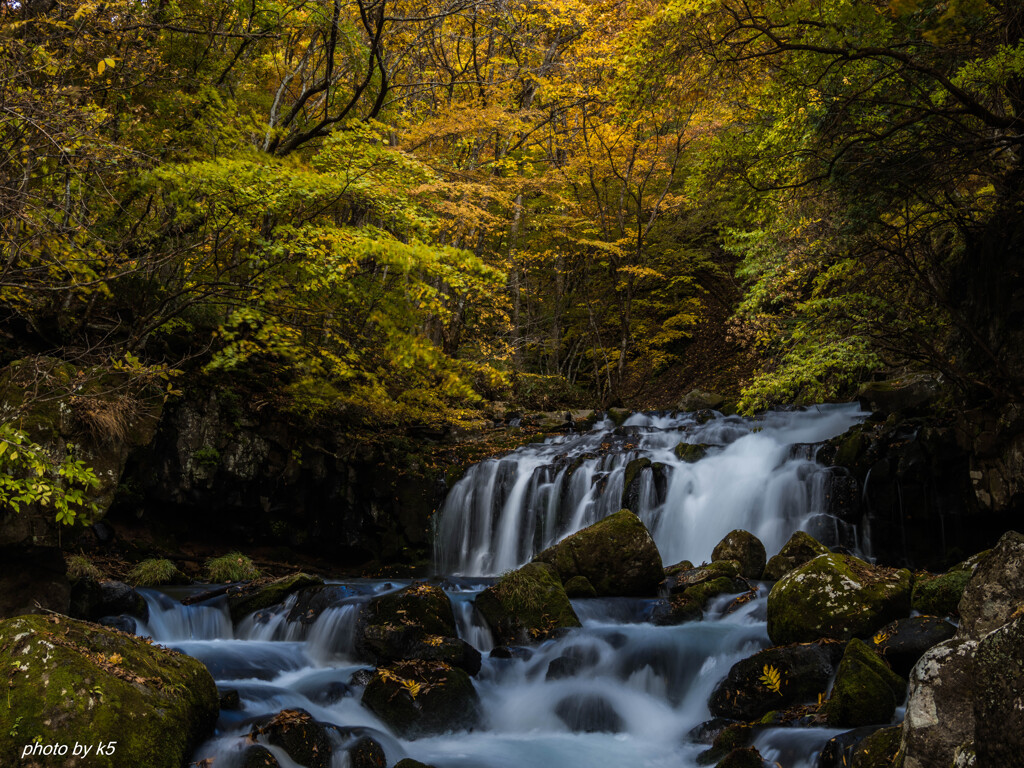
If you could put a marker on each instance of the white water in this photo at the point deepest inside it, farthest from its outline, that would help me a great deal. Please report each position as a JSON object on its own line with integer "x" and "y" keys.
{"x": 505, "y": 510}
{"x": 647, "y": 686}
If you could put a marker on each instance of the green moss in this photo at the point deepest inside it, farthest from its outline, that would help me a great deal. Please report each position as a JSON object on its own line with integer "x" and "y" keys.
{"x": 71, "y": 681}
{"x": 527, "y": 604}
{"x": 580, "y": 586}
{"x": 801, "y": 548}
{"x": 701, "y": 593}
{"x": 690, "y": 452}
{"x": 81, "y": 567}
{"x": 940, "y": 595}
{"x": 233, "y": 566}
{"x": 878, "y": 750}
{"x": 866, "y": 691}
{"x": 207, "y": 456}
{"x": 153, "y": 573}
{"x": 256, "y": 597}
{"x": 633, "y": 470}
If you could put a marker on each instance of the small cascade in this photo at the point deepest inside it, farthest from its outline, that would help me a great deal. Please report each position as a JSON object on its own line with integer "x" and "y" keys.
{"x": 758, "y": 474}
{"x": 170, "y": 621}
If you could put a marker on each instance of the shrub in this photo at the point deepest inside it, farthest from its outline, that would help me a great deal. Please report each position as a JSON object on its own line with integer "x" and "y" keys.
{"x": 153, "y": 573}
{"x": 81, "y": 567}
{"x": 233, "y": 566}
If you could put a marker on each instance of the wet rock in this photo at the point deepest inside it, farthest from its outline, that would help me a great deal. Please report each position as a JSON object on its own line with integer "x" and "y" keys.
{"x": 877, "y": 750}
{"x": 326, "y": 693}
{"x": 91, "y": 600}
{"x": 723, "y": 585}
{"x": 230, "y": 700}
{"x": 589, "y": 713}
{"x": 91, "y": 685}
{"x": 617, "y": 555}
{"x": 258, "y": 756}
{"x": 367, "y": 753}
{"x": 362, "y": 677}
{"x": 410, "y": 763}
{"x": 999, "y": 695}
{"x": 677, "y": 609}
{"x": 995, "y": 590}
{"x": 747, "y": 757}
{"x": 124, "y": 624}
{"x": 837, "y": 596}
{"x": 698, "y": 400}
{"x": 674, "y": 570}
{"x": 691, "y": 452}
{"x": 258, "y": 595}
{"x": 630, "y": 481}
{"x": 866, "y": 691}
{"x": 940, "y": 710}
{"x": 904, "y": 641}
{"x": 526, "y": 605}
{"x": 801, "y": 548}
{"x": 580, "y": 586}
{"x": 745, "y": 548}
{"x": 939, "y": 595}
{"x": 683, "y": 580}
{"x": 514, "y": 652}
{"x": 803, "y": 670}
{"x": 418, "y": 698}
{"x": 311, "y": 602}
{"x": 732, "y": 736}
{"x": 838, "y": 751}
{"x": 707, "y": 732}
{"x": 305, "y": 740}
{"x": 564, "y": 666}
{"x": 618, "y": 415}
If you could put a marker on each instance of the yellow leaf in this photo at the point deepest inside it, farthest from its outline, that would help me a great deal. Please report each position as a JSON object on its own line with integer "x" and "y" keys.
{"x": 101, "y": 66}
{"x": 771, "y": 679}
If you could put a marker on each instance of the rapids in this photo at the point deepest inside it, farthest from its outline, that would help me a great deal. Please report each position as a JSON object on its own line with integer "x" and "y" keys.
{"x": 635, "y": 690}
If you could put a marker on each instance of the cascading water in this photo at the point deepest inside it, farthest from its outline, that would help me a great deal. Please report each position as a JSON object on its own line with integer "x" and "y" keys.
{"x": 754, "y": 476}
{"x": 620, "y": 692}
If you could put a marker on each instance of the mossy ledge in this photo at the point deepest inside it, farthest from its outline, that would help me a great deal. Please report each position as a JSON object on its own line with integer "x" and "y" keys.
{"x": 70, "y": 681}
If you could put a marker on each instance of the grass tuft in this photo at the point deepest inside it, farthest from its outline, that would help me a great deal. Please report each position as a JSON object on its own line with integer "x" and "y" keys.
{"x": 233, "y": 566}
{"x": 153, "y": 573}
{"x": 81, "y": 567}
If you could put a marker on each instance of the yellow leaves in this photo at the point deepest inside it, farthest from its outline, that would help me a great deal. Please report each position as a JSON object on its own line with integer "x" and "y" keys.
{"x": 115, "y": 658}
{"x": 771, "y": 679}
{"x": 412, "y": 688}
{"x": 880, "y": 637}
{"x": 104, "y": 64}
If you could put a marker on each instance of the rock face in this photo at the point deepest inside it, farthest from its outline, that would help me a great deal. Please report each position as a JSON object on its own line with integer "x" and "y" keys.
{"x": 414, "y": 623}
{"x": 419, "y": 698}
{"x": 866, "y": 691}
{"x": 526, "y": 605}
{"x": 803, "y": 670}
{"x": 746, "y": 549}
{"x": 801, "y": 548}
{"x": 90, "y": 684}
{"x": 995, "y": 590}
{"x": 904, "y": 641}
{"x": 616, "y": 555}
{"x": 262, "y": 594}
{"x": 837, "y": 596}
{"x": 999, "y": 696}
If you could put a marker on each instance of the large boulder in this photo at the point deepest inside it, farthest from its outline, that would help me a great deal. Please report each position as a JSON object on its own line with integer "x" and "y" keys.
{"x": 305, "y": 740}
{"x": 617, "y": 556}
{"x": 996, "y": 590}
{"x": 774, "y": 679}
{"x": 418, "y": 698}
{"x": 837, "y": 596}
{"x": 866, "y": 691}
{"x": 414, "y": 623}
{"x": 69, "y": 681}
{"x": 902, "y": 642}
{"x": 526, "y": 605}
{"x": 261, "y": 594}
{"x": 801, "y": 548}
{"x": 999, "y": 696}
{"x": 940, "y": 711}
{"x": 746, "y": 549}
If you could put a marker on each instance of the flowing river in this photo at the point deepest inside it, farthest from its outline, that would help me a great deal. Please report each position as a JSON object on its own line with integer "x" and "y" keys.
{"x": 635, "y": 691}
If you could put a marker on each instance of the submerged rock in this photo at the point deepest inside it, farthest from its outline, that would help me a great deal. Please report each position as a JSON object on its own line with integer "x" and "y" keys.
{"x": 418, "y": 698}
{"x": 589, "y": 713}
{"x": 801, "y": 548}
{"x": 866, "y": 691}
{"x": 526, "y": 605}
{"x": 303, "y": 738}
{"x": 904, "y": 641}
{"x": 774, "y": 679}
{"x": 745, "y": 548}
{"x": 616, "y": 555}
{"x": 837, "y": 596}
{"x": 996, "y": 590}
{"x": 89, "y": 684}
{"x": 258, "y": 595}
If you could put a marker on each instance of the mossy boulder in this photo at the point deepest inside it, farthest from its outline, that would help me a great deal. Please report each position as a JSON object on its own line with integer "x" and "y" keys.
{"x": 877, "y": 750}
{"x": 683, "y": 580}
{"x": 70, "y": 681}
{"x": 305, "y": 740}
{"x": 580, "y": 586}
{"x": 902, "y": 642}
{"x": 616, "y": 555}
{"x": 526, "y": 605}
{"x": 836, "y": 596}
{"x": 680, "y": 567}
{"x": 803, "y": 671}
{"x": 690, "y": 452}
{"x": 698, "y": 400}
{"x": 996, "y": 590}
{"x": 999, "y": 695}
{"x": 866, "y": 691}
{"x": 723, "y": 585}
{"x": 939, "y": 595}
{"x": 801, "y": 548}
{"x": 745, "y": 757}
{"x": 745, "y": 548}
{"x": 732, "y": 736}
{"x": 264, "y": 593}
{"x": 630, "y": 479}
{"x": 418, "y": 698}
{"x": 677, "y": 609}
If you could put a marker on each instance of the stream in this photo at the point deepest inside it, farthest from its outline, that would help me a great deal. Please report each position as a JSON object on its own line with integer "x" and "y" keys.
{"x": 634, "y": 691}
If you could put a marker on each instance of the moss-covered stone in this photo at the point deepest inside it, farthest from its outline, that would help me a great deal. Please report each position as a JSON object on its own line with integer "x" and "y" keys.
{"x": 746, "y": 549}
{"x": 580, "y": 586}
{"x": 619, "y": 415}
{"x": 296, "y": 732}
{"x": 677, "y": 609}
{"x": 837, "y": 596}
{"x": 746, "y": 757}
{"x": 732, "y": 736}
{"x": 526, "y": 605}
{"x": 877, "y": 750}
{"x": 69, "y": 681}
{"x": 419, "y": 698}
{"x": 680, "y": 567}
{"x": 866, "y": 691}
{"x": 996, "y": 590}
{"x": 801, "y": 548}
{"x": 722, "y": 585}
{"x": 690, "y": 452}
{"x": 258, "y": 595}
{"x": 630, "y": 477}
{"x": 617, "y": 555}
{"x": 683, "y": 580}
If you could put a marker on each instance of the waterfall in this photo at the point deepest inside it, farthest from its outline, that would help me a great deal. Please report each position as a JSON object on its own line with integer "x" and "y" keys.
{"x": 758, "y": 474}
